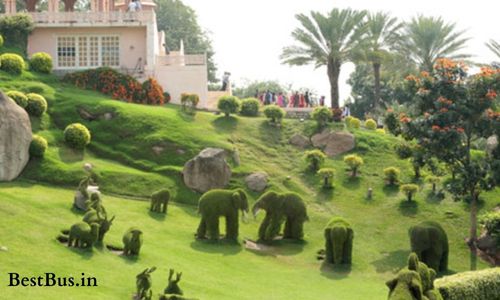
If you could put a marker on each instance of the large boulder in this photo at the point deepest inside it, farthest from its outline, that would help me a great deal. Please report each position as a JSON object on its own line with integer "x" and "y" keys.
{"x": 79, "y": 201}
{"x": 491, "y": 144}
{"x": 300, "y": 141}
{"x": 257, "y": 181}
{"x": 333, "y": 143}
{"x": 208, "y": 170}
{"x": 15, "y": 138}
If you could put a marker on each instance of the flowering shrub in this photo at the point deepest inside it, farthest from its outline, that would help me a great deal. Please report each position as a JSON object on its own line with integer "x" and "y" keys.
{"x": 153, "y": 92}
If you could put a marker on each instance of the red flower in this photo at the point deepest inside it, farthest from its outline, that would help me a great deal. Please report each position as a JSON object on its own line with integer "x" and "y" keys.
{"x": 491, "y": 94}
{"x": 436, "y": 128}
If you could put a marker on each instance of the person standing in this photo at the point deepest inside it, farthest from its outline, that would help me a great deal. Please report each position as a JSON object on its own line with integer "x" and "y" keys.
{"x": 296, "y": 99}
{"x": 132, "y": 6}
{"x": 307, "y": 99}
{"x": 225, "y": 81}
{"x": 280, "y": 99}
{"x": 301, "y": 101}
{"x": 268, "y": 98}
{"x": 322, "y": 101}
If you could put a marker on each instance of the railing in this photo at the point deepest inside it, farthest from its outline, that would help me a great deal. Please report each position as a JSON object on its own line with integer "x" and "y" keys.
{"x": 92, "y": 17}
{"x": 182, "y": 60}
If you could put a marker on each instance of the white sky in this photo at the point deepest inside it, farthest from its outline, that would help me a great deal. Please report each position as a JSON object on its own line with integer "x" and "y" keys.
{"x": 248, "y": 35}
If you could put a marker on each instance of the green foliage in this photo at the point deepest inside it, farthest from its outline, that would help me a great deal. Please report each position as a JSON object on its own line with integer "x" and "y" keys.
{"x": 274, "y": 113}
{"x": 1, "y": 41}
{"x": 347, "y": 120}
{"x": 338, "y": 241}
{"x": 392, "y": 175}
{"x": 353, "y": 161}
{"x": 326, "y": 175}
{"x": 41, "y": 62}
{"x": 473, "y": 285}
{"x": 315, "y": 159}
{"x": 189, "y": 102}
{"x": 251, "y": 89}
{"x": 250, "y": 107}
{"x": 321, "y": 115}
{"x": 77, "y": 136}
{"x": 37, "y": 105}
{"x": 434, "y": 180}
{"x": 83, "y": 235}
{"x": 229, "y": 105}
{"x": 491, "y": 222}
{"x": 38, "y": 146}
{"x": 354, "y": 123}
{"x": 409, "y": 190}
{"x": 392, "y": 123}
{"x": 370, "y": 124}
{"x": 430, "y": 242}
{"x": 404, "y": 150}
{"x": 143, "y": 283}
{"x": 15, "y": 29}
{"x": 159, "y": 201}
{"x": 12, "y": 63}
{"x": 19, "y": 97}
{"x": 132, "y": 241}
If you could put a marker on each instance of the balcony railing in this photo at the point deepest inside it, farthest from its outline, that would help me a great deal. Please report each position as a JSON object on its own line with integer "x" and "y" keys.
{"x": 182, "y": 60}
{"x": 107, "y": 18}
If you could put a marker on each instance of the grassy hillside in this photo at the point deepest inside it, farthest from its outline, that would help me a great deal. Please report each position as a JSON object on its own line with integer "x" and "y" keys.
{"x": 38, "y": 205}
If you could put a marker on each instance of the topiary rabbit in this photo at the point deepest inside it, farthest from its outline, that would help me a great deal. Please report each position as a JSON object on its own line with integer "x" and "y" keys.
{"x": 143, "y": 283}
{"x": 173, "y": 285}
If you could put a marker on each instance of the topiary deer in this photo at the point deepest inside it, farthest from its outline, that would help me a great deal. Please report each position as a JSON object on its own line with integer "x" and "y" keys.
{"x": 83, "y": 235}
{"x": 132, "y": 241}
{"x": 93, "y": 216}
{"x": 143, "y": 283}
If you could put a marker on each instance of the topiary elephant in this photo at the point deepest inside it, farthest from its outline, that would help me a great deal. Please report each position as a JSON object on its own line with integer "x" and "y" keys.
{"x": 338, "y": 241}
{"x": 132, "y": 241}
{"x": 279, "y": 208}
{"x": 159, "y": 201}
{"x": 216, "y": 203}
{"x": 430, "y": 242}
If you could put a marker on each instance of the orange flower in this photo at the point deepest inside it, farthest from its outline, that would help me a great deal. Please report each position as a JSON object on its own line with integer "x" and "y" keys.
{"x": 491, "y": 94}
{"x": 460, "y": 130}
{"x": 424, "y": 74}
{"x": 443, "y": 110}
{"x": 436, "y": 128}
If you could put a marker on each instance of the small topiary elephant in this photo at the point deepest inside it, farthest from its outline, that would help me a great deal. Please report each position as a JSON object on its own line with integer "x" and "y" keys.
{"x": 159, "y": 201}
{"x": 143, "y": 283}
{"x": 83, "y": 235}
{"x": 338, "y": 241}
{"x": 430, "y": 242}
{"x": 279, "y": 208}
{"x": 173, "y": 284}
{"x": 132, "y": 241}
{"x": 216, "y": 203}
{"x": 93, "y": 216}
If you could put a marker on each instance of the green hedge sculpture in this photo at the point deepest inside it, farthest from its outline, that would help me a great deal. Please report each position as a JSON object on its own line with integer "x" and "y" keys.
{"x": 83, "y": 235}
{"x": 132, "y": 241}
{"x": 94, "y": 216}
{"x": 430, "y": 242}
{"x": 173, "y": 284}
{"x": 143, "y": 283}
{"x": 338, "y": 241}
{"x": 473, "y": 285}
{"x": 159, "y": 201}
{"x": 279, "y": 208}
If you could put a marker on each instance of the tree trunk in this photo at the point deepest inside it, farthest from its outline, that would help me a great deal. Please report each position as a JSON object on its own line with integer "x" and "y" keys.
{"x": 473, "y": 218}
{"x": 325, "y": 183}
{"x": 333, "y": 69}
{"x": 433, "y": 187}
{"x": 409, "y": 196}
{"x": 376, "y": 91}
{"x": 31, "y": 5}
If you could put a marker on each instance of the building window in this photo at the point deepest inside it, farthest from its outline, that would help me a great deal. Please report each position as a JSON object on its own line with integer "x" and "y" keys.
{"x": 88, "y": 51}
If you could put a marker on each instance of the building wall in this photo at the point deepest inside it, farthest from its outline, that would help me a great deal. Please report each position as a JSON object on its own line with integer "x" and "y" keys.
{"x": 132, "y": 41}
{"x": 183, "y": 79}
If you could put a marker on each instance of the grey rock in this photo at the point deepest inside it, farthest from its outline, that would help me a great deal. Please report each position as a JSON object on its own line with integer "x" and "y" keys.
{"x": 15, "y": 138}
{"x": 208, "y": 170}
{"x": 491, "y": 143}
{"x": 334, "y": 143}
{"x": 79, "y": 199}
{"x": 300, "y": 141}
{"x": 257, "y": 181}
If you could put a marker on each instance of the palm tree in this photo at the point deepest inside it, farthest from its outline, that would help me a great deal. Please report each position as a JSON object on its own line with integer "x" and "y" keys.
{"x": 427, "y": 38}
{"x": 383, "y": 34}
{"x": 494, "y": 46}
{"x": 326, "y": 40}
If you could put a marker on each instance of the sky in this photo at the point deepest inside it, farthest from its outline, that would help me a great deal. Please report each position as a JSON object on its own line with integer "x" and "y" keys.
{"x": 249, "y": 35}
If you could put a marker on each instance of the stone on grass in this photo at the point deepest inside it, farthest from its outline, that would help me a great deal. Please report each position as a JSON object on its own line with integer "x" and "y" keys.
{"x": 257, "y": 181}
{"x": 207, "y": 170}
{"x": 333, "y": 143}
{"x": 300, "y": 141}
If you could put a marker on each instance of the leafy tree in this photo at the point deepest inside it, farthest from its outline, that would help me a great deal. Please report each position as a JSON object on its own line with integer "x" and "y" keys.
{"x": 327, "y": 175}
{"x": 427, "y": 39}
{"x": 315, "y": 158}
{"x": 354, "y": 162}
{"x": 494, "y": 46}
{"x": 392, "y": 175}
{"x": 327, "y": 40}
{"x": 179, "y": 21}
{"x": 229, "y": 105}
{"x": 274, "y": 113}
{"x": 321, "y": 115}
{"x": 409, "y": 190}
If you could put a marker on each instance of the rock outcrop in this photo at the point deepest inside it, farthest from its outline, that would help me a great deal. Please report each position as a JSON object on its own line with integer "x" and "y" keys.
{"x": 257, "y": 181}
{"x": 333, "y": 143}
{"x": 208, "y": 170}
{"x": 300, "y": 141}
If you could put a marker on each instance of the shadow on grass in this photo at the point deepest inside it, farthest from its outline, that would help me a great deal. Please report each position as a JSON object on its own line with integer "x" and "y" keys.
{"x": 270, "y": 133}
{"x": 69, "y": 155}
{"x": 76, "y": 211}
{"x": 225, "y": 124}
{"x": 331, "y": 271}
{"x": 224, "y": 247}
{"x": 157, "y": 216}
{"x": 391, "y": 261}
{"x": 434, "y": 197}
{"x": 186, "y": 116}
{"x": 390, "y": 190}
{"x": 408, "y": 208}
{"x": 325, "y": 194}
{"x": 352, "y": 183}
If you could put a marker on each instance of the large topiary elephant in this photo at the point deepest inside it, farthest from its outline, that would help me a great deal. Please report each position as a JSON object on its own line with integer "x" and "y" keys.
{"x": 221, "y": 203}
{"x": 430, "y": 242}
{"x": 338, "y": 241}
{"x": 279, "y": 208}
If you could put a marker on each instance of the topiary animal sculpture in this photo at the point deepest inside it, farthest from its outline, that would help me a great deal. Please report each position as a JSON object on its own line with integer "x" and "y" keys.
{"x": 95, "y": 203}
{"x": 159, "y": 201}
{"x": 338, "y": 241}
{"x": 216, "y": 203}
{"x": 93, "y": 216}
{"x": 279, "y": 208}
{"x": 83, "y": 235}
{"x": 174, "y": 297}
{"x": 173, "y": 284}
{"x": 132, "y": 241}
{"x": 430, "y": 242}
{"x": 143, "y": 283}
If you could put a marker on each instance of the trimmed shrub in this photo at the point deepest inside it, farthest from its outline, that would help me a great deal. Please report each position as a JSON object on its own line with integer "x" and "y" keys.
{"x": 338, "y": 241}
{"x": 159, "y": 201}
{"x": 353, "y": 161}
{"x": 173, "y": 284}
{"x": 347, "y": 120}
{"x": 274, "y": 113}
{"x": 250, "y": 107}
{"x": 77, "y": 136}
{"x": 404, "y": 150}
{"x": 430, "y": 242}
{"x": 327, "y": 175}
{"x": 19, "y": 97}
{"x": 167, "y": 97}
{"x": 491, "y": 222}
{"x": 38, "y": 146}
{"x": 370, "y": 124}
{"x": 37, "y": 105}
{"x": 189, "y": 101}
{"x": 315, "y": 159}
{"x": 434, "y": 180}
{"x": 41, "y": 62}
{"x": 472, "y": 285}
{"x": 409, "y": 190}
{"x": 132, "y": 241}
{"x": 380, "y": 130}
{"x": 321, "y": 115}
{"x": 153, "y": 92}
{"x": 355, "y": 123}
{"x": 228, "y": 105}
{"x": 12, "y": 63}
{"x": 16, "y": 28}
{"x": 392, "y": 175}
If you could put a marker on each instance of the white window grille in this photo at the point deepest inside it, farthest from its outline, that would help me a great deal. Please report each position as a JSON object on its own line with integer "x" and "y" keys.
{"x": 88, "y": 51}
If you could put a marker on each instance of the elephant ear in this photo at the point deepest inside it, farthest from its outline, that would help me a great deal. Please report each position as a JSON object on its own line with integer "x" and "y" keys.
{"x": 391, "y": 284}
{"x": 236, "y": 199}
{"x": 413, "y": 262}
{"x": 416, "y": 289}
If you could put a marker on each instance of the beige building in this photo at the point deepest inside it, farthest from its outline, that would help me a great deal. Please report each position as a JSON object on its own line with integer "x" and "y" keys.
{"x": 111, "y": 35}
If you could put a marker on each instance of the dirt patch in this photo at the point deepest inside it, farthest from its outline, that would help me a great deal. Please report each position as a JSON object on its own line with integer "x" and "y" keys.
{"x": 115, "y": 249}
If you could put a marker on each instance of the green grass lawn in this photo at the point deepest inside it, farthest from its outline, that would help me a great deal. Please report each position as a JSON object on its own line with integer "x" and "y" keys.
{"x": 34, "y": 208}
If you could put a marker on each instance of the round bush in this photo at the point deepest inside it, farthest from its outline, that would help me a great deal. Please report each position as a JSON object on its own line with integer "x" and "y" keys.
{"x": 41, "y": 62}
{"x": 354, "y": 123}
{"x": 370, "y": 124}
{"x": 380, "y": 130}
{"x": 354, "y": 162}
{"x": 322, "y": 115}
{"x": 1, "y": 41}
{"x": 228, "y": 105}
{"x": 11, "y": 63}
{"x": 250, "y": 107}
{"x": 403, "y": 150}
{"x": 77, "y": 136}
{"x": 391, "y": 175}
{"x": 274, "y": 113}
{"x": 347, "y": 120}
{"x": 315, "y": 159}
{"x": 37, "y": 105}
{"x": 19, "y": 98}
{"x": 38, "y": 146}
{"x": 409, "y": 190}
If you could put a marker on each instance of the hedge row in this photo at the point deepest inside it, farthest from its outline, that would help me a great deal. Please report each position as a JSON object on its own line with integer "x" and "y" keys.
{"x": 474, "y": 285}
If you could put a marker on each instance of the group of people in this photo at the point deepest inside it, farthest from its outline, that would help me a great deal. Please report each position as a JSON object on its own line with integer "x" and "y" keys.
{"x": 134, "y": 5}
{"x": 295, "y": 99}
